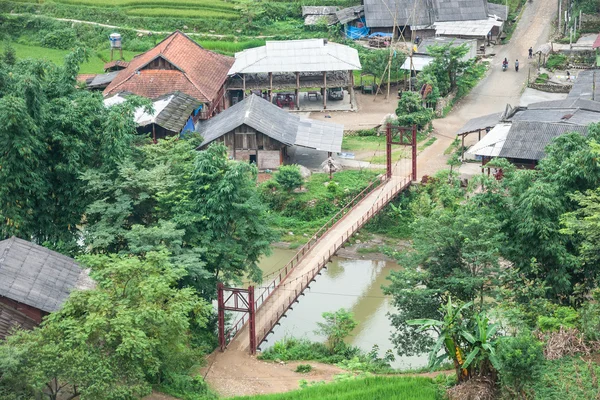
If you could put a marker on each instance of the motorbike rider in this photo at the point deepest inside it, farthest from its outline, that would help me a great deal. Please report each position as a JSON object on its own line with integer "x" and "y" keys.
{"x": 517, "y": 65}
{"x": 505, "y": 64}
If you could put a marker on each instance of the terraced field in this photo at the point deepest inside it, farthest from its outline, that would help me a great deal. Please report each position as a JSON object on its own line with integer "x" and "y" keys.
{"x": 210, "y": 9}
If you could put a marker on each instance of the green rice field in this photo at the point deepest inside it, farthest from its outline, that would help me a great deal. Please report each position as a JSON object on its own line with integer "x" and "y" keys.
{"x": 210, "y": 9}
{"x": 94, "y": 65}
{"x": 373, "y": 388}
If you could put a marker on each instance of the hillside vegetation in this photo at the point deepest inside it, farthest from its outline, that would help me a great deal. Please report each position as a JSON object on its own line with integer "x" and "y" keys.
{"x": 372, "y": 388}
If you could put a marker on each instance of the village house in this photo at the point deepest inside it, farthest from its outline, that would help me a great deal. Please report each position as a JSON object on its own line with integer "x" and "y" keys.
{"x": 466, "y": 19}
{"x": 34, "y": 281}
{"x": 257, "y": 131}
{"x": 521, "y": 134}
{"x": 176, "y": 64}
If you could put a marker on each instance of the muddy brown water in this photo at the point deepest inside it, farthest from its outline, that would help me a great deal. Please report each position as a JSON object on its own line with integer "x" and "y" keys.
{"x": 354, "y": 284}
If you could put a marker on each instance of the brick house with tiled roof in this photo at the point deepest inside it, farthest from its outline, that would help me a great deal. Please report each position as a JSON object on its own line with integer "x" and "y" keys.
{"x": 176, "y": 64}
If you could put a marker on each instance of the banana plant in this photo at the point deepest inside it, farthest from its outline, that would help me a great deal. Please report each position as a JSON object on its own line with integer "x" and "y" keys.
{"x": 450, "y": 331}
{"x": 482, "y": 345}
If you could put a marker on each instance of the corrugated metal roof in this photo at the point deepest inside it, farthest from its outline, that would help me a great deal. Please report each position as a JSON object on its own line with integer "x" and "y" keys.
{"x": 36, "y": 276}
{"x": 318, "y": 10}
{"x": 498, "y": 10}
{"x": 528, "y": 139}
{"x": 480, "y": 123}
{"x": 274, "y": 122}
{"x": 477, "y": 28}
{"x": 315, "y": 19}
{"x": 383, "y": 13}
{"x": 419, "y": 62}
{"x": 102, "y": 80}
{"x": 492, "y": 143}
{"x": 308, "y": 55}
{"x": 349, "y": 14}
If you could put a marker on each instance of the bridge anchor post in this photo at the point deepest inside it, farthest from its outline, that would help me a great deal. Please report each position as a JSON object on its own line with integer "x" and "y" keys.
{"x": 241, "y": 300}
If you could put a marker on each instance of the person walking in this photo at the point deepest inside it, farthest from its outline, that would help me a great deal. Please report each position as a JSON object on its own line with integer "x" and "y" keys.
{"x": 530, "y": 52}
{"x": 517, "y": 65}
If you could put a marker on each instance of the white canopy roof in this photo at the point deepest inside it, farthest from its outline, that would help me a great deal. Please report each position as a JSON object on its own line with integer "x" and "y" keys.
{"x": 492, "y": 143}
{"x": 308, "y": 55}
{"x": 419, "y": 62}
{"x": 478, "y": 28}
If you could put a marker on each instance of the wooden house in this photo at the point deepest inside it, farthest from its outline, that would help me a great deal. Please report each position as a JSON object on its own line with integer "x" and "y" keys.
{"x": 34, "y": 281}
{"x": 258, "y": 131}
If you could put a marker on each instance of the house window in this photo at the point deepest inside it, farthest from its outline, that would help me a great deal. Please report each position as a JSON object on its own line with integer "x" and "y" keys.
{"x": 252, "y": 158}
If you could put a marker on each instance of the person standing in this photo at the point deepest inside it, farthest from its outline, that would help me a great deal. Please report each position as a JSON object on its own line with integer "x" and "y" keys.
{"x": 517, "y": 65}
{"x": 530, "y": 52}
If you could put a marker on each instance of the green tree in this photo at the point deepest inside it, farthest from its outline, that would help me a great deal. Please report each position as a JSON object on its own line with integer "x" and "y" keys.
{"x": 10, "y": 55}
{"x": 337, "y": 327}
{"x": 520, "y": 359}
{"x": 200, "y": 206}
{"x": 411, "y": 111}
{"x": 289, "y": 177}
{"x": 447, "y": 66}
{"x": 51, "y": 132}
{"x": 111, "y": 342}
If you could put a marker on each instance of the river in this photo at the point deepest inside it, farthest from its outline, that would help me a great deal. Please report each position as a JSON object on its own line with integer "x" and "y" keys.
{"x": 346, "y": 283}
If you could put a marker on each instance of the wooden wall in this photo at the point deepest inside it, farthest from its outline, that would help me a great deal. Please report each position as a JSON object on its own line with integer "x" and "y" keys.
{"x": 13, "y": 313}
{"x": 245, "y": 142}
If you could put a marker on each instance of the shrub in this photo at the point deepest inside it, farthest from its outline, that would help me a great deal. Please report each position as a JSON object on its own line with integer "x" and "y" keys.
{"x": 563, "y": 316}
{"x": 289, "y": 177}
{"x": 589, "y": 321}
{"x": 410, "y": 111}
{"x": 337, "y": 327}
{"x": 304, "y": 368}
{"x": 520, "y": 358}
{"x": 60, "y": 39}
{"x": 556, "y": 61}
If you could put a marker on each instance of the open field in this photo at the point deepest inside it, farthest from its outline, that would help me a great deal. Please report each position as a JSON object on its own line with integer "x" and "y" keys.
{"x": 94, "y": 64}
{"x": 373, "y": 388}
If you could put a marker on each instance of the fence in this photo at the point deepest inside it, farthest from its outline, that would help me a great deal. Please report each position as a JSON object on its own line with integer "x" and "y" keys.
{"x": 307, "y": 278}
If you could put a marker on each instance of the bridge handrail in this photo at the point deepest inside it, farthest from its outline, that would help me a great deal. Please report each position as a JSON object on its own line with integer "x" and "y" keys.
{"x": 314, "y": 239}
{"x": 374, "y": 184}
{"x": 305, "y": 282}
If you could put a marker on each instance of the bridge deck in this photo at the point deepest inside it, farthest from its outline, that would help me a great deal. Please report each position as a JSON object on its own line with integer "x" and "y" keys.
{"x": 283, "y": 294}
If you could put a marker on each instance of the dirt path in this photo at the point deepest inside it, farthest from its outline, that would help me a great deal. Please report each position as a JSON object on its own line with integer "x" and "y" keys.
{"x": 495, "y": 90}
{"x": 234, "y": 372}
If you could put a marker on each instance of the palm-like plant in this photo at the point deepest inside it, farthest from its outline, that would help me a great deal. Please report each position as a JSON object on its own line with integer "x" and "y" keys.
{"x": 482, "y": 344}
{"x": 450, "y": 333}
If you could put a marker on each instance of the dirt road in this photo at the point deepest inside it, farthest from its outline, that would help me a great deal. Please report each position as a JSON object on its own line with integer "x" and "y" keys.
{"x": 498, "y": 88}
{"x": 234, "y": 372}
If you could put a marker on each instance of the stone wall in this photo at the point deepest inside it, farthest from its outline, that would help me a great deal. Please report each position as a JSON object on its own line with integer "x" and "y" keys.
{"x": 551, "y": 88}
{"x": 443, "y": 102}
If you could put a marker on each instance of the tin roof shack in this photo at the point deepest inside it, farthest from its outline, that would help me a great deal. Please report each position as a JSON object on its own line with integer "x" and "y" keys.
{"x": 293, "y": 65}
{"x": 176, "y": 64}
{"x": 173, "y": 114}
{"x": 521, "y": 134}
{"x": 258, "y": 131}
{"x": 34, "y": 282}
{"x": 314, "y": 15}
{"x": 423, "y": 17}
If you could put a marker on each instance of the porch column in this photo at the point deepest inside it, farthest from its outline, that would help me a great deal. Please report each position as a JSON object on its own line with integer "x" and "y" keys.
{"x": 462, "y": 149}
{"x": 270, "y": 86}
{"x": 351, "y": 90}
{"x": 297, "y": 92}
{"x": 243, "y": 86}
{"x": 325, "y": 90}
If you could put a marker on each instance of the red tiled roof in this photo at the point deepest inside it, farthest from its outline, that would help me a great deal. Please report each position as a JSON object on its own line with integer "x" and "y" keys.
{"x": 596, "y": 42}
{"x": 200, "y": 73}
{"x": 116, "y": 63}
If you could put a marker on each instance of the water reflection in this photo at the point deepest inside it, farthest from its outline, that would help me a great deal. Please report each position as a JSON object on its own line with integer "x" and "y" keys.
{"x": 351, "y": 284}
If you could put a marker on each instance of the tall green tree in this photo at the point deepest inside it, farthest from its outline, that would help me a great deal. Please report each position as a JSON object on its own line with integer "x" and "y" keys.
{"x": 199, "y": 206}
{"x": 51, "y": 132}
{"x": 111, "y": 342}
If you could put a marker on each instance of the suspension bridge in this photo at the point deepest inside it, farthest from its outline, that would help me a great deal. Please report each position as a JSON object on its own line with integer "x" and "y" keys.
{"x": 263, "y": 311}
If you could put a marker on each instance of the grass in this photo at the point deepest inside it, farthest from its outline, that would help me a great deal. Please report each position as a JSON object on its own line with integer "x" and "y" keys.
{"x": 94, "y": 64}
{"x": 397, "y": 154}
{"x": 427, "y": 143}
{"x": 357, "y": 143}
{"x": 542, "y": 78}
{"x": 181, "y": 13}
{"x": 566, "y": 378}
{"x": 372, "y": 388}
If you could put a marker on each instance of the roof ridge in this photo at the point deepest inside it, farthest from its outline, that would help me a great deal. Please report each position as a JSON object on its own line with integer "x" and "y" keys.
{"x": 196, "y": 86}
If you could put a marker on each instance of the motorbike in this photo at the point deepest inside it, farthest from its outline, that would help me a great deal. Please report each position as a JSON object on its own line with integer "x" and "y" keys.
{"x": 504, "y": 67}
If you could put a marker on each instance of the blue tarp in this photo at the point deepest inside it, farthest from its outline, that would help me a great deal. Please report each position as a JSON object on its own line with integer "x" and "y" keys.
{"x": 382, "y": 34}
{"x": 354, "y": 32}
{"x": 189, "y": 127}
